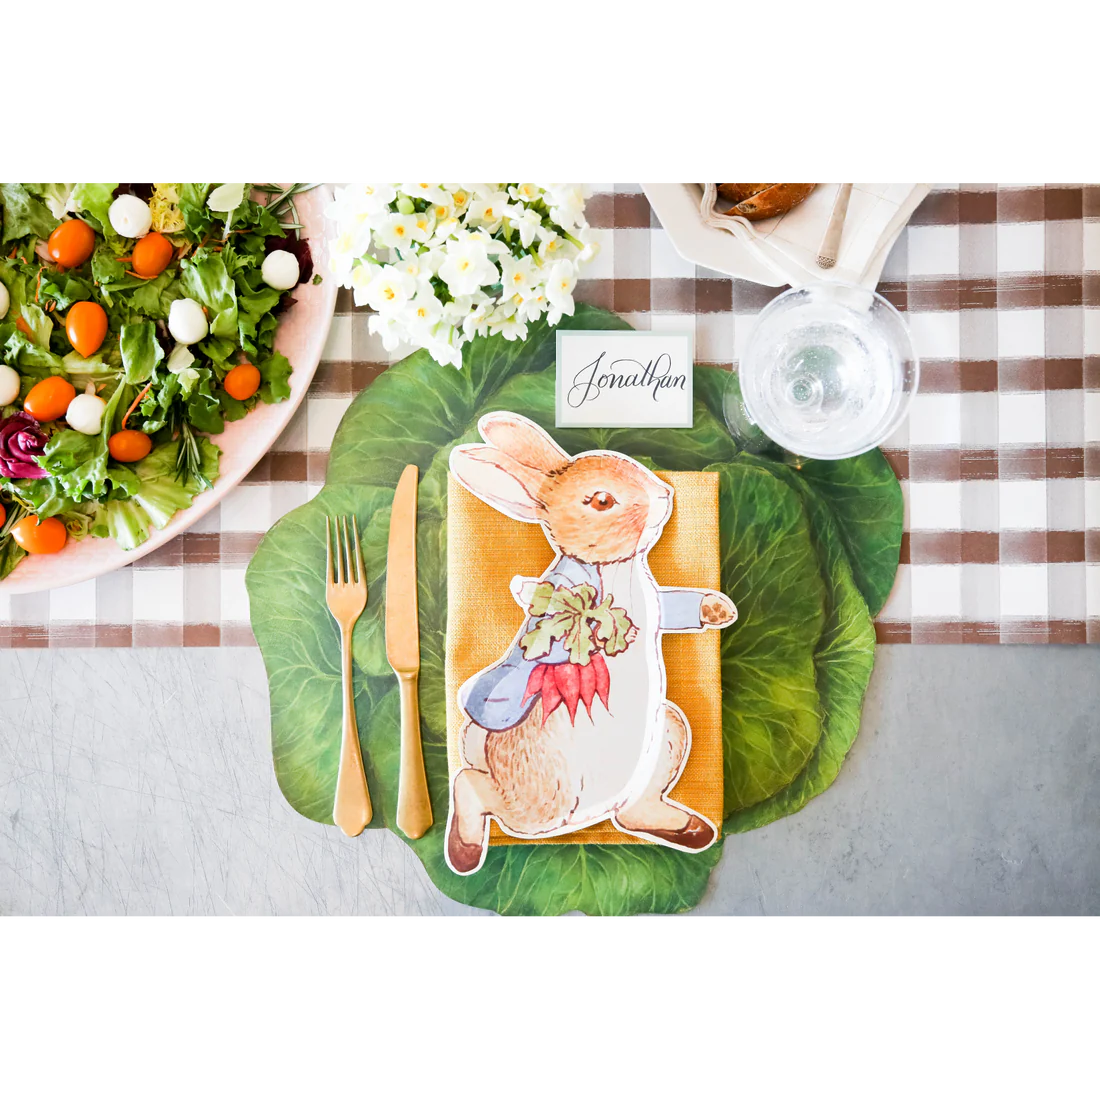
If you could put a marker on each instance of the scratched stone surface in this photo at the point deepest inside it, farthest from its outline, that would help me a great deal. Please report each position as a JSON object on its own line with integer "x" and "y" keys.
{"x": 140, "y": 781}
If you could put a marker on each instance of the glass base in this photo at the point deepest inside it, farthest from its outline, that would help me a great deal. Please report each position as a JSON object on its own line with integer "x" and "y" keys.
{"x": 746, "y": 433}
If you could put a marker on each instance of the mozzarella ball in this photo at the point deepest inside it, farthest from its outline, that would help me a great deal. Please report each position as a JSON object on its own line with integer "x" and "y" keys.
{"x": 9, "y": 384}
{"x": 187, "y": 322}
{"x": 5, "y": 300}
{"x": 130, "y": 216}
{"x": 280, "y": 270}
{"x": 85, "y": 413}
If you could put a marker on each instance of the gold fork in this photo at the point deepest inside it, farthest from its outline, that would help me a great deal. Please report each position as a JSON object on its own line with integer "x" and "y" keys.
{"x": 346, "y": 596}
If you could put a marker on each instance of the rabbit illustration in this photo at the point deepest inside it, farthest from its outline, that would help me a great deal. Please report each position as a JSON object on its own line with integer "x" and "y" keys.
{"x": 571, "y": 726}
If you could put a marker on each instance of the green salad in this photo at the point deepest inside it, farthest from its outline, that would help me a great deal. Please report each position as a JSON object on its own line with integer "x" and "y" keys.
{"x": 135, "y": 321}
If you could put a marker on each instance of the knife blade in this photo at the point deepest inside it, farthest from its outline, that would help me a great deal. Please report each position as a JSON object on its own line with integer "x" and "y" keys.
{"x": 414, "y": 808}
{"x": 402, "y": 626}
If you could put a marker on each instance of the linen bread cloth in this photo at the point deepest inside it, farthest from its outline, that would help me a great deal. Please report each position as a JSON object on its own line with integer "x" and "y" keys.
{"x": 486, "y": 549}
{"x": 789, "y": 244}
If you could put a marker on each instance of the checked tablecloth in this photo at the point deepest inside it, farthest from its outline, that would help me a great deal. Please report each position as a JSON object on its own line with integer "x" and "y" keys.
{"x": 998, "y": 460}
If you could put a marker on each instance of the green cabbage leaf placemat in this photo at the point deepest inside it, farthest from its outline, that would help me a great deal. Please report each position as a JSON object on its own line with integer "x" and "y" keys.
{"x": 808, "y": 556}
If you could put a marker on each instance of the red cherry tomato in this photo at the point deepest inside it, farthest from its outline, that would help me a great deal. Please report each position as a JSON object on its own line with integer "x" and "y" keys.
{"x": 86, "y": 327}
{"x": 3, "y": 515}
{"x": 40, "y": 537}
{"x": 242, "y": 381}
{"x": 49, "y": 398}
{"x": 129, "y": 445}
{"x": 152, "y": 254}
{"x": 71, "y": 243}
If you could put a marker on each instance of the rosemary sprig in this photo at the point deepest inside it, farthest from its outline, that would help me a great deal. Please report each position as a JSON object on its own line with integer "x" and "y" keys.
{"x": 188, "y": 455}
{"x": 16, "y": 510}
{"x": 280, "y": 202}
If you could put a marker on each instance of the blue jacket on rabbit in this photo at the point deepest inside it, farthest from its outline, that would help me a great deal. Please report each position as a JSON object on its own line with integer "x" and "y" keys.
{"x": 495, "y": 698}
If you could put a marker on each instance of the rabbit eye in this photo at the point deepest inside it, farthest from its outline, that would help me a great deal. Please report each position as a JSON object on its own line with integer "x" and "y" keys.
{"x": 601, "y": 501}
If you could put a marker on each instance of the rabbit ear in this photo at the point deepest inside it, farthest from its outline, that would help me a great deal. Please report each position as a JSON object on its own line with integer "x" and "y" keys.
{"x": 524, "y": 440}
{"x": 500, "y": 480}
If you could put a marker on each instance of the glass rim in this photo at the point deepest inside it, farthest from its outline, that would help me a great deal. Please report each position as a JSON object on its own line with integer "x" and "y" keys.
{"x": 912, "y": 359}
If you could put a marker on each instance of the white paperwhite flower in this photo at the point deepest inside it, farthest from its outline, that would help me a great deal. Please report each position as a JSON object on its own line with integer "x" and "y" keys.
{"x": 591, "y": 248}
{"x": 504, "y": 269}
{"x": 532, "y": 308}
{"x": 360, "y": 281}
{"x": 467, "y": 266}
{"x": 517, "y": 276}
{"x": 560, "y": 281}
{"x": 420, "y": 266}
{"x": 423, "y": 313}
{"x": 460, "y": 195}
{"x": 488, "y": 210}
{"x": 514, "y": 328}
{"x": 400, "y": 231}
{"x": 525, "y": 192}
{"x": 432, "y": 192}
{"x": 388, "y": 327}
{"x": 376, "y": 197}
{"x": 390, "y": 289}
{"x": 527, "y": 222}
{"x": 551, "y": 245}
{"x": 476, "y": 321}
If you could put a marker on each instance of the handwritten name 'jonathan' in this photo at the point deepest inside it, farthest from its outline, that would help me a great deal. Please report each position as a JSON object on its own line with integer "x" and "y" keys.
{"x": 589, "y": 382}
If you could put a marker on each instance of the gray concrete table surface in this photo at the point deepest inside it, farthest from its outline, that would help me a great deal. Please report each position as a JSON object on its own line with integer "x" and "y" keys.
{"x": 140, "y": 782}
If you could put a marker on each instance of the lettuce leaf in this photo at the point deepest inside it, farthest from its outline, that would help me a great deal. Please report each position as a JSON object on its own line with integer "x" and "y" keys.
{"x": 192, "y": 204}
{"x": 24, "y": 215}
{"x": 141, "y": 351}
{"x": 95, "y": 199}
{"x": 76, "y": 462}
{"x": 32, "y": 361}
{"x": 205, "y": 279}
{"x": 13, "y": 276}
{"x": 35, "y": 318}
{"x": 275, "y": 374}
{"x": 155, "y": 494}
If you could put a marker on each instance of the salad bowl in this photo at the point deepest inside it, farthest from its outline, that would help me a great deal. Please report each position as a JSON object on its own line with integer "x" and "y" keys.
{"x": 303, "y": 330}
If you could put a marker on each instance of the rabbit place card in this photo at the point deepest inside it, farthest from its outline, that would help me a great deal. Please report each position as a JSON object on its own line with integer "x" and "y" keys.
{"x": 571, "y": 725}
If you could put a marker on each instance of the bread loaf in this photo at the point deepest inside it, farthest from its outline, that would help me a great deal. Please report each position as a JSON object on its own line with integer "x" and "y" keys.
{"x": 757, "y": 201}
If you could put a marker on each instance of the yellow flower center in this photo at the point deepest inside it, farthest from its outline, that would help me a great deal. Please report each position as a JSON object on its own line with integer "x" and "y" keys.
{"x": 389, "y": 293}
{"x": 463, "y": 265}
{"x": 399, "y": 230}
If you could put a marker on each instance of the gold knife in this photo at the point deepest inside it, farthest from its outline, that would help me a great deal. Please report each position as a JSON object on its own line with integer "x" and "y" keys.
{"x": 414, "y": 808}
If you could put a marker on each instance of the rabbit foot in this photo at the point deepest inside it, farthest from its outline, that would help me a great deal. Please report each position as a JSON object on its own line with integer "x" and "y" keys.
{"x": 463, "y": 858}
{"x": 696, "y": 835}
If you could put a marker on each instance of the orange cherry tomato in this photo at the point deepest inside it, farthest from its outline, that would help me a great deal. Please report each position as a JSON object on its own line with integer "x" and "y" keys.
{"x": 71, "y": 243}
{"x": 86, "y": 326}
{"x": 129, "y": 445}
{"x": 3, "y": 515}
{"x": 152, "y": 254}
{"x": 242, "y": 381}
{"x": 23, "y": 327}
{"x": 49, "y": 398}
{"x": 40, "y": 537}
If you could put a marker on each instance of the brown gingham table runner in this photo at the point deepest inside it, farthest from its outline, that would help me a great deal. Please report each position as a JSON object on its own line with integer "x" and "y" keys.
{"x": 998, "y": 459}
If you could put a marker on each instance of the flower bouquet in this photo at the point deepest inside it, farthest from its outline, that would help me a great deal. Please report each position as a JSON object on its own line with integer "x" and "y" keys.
{"x": 442, "y": 263}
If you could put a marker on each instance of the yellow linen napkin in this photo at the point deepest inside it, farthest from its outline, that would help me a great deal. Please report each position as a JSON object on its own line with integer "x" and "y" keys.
{"x": 486, "y": 549}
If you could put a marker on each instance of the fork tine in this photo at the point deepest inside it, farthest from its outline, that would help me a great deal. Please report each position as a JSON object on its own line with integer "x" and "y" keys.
{"x": 360, "y": 571}
{"x": 328, "y": 551}
{"x": 338, "y": 546}
{"x": 345, "y": 550}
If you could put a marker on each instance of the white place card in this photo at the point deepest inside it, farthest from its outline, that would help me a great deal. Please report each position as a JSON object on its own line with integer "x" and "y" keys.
{"x": 624, "y": 379}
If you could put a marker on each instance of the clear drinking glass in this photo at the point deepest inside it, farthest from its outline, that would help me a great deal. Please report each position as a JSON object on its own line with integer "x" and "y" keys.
{"x": 828, "y": 372}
